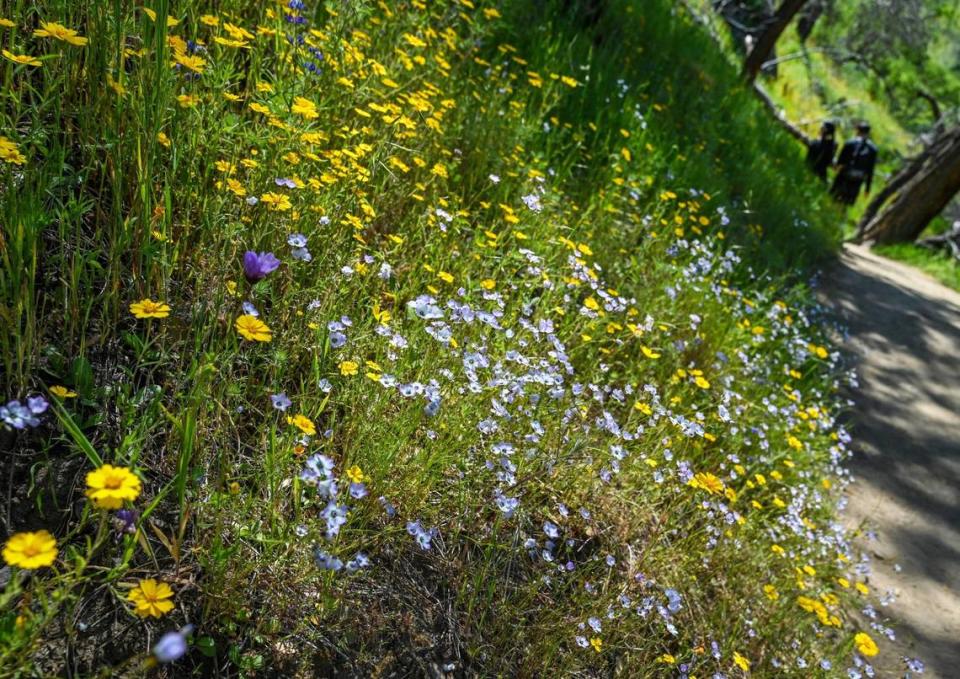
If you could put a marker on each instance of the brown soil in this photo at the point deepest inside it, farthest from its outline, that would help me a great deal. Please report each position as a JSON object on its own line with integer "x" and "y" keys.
{"x": 904, "y": 330}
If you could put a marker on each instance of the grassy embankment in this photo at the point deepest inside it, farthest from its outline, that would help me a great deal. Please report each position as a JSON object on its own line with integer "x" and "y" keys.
{"x": 551, "y": 342}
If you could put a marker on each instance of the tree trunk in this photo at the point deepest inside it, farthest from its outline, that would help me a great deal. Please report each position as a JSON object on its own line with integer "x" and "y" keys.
{"x": 808, "y": 19}
{"x": 923, "y": 195}
{"x": 768, "y": 39}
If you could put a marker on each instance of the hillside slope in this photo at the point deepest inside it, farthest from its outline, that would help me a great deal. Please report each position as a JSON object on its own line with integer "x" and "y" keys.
{"x": 398, "y": 321}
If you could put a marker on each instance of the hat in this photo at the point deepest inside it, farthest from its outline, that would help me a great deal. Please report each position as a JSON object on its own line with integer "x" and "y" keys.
{"x": 863, "y": 126}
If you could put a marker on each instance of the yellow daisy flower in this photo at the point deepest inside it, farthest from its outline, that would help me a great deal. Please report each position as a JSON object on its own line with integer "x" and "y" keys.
{"x": 151, "y": 598}
{"x": 109, "y": 486}
{"x": 30, "y": 550}
{"x": 147, "y": 308}
{"x": 27, "y": 59}
{"x": 49, "y": 29}
{"x": 253, "y": 329}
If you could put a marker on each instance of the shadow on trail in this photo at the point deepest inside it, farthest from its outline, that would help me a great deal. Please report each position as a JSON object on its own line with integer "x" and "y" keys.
{"x": 905, "y": 332}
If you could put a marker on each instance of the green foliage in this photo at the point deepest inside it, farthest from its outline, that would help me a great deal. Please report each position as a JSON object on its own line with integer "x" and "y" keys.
{"x": 940, "y": 265}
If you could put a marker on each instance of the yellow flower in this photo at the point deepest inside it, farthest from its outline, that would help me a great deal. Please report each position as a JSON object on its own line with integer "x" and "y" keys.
{"x": 163, "y": 139}
{"x": 147, "y": 308}
{"x": 667, "y": 659}
{"x": 191, "y": 62}
{"x": 741, "y": 662}
{"x": 865, "y": 644}
{"x": 597, "y": 644}
{"x": 27, "y": 59}
{"x": 62, "y": 392}
{"x": 109, "y": 486}
{"x": 253, "y": 329}
{"x": 277, "y": 201}
{"x": 303, "y": 423}
{"x": 151, "y": 598}
{"x": 187, "y": 100}
{"x": 488, "y": 284}
{"x": 445, "y": 277}
{"x": 171, "y": 22}
{"x": 209, "y": 20}
{"x": 701, "y": 382}
{"x": 10, "y": 153}
{"x": 30, "y": 550}
{"x": 771, "y": 592}
{"x": 649, "y": 353}
{"x": 6, "y": 23}
{"x": 355, "y": 474}
{"x": 59, "y": 32}
{"x": 348, "y": 368}
{"x": 304, "y": 107}
{"x": 707, "y": 482}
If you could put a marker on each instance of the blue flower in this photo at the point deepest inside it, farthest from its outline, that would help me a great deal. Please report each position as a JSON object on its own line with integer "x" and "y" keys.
{"x": 257, "y": 265}
{"x": 172, "y": 645}
{"x": 280, "y": 401}
{"x": 326, "y": 561}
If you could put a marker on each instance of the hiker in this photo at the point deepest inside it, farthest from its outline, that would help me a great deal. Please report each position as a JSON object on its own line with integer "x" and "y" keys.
{"x": 821, "y": 151}
{"x": 855, "y": 167}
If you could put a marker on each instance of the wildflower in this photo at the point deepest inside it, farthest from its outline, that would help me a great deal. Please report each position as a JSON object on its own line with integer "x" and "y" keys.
{"x": 348, "y": 368}
{"x": 10, "y": 153}
{"x": 360, "y": 560}
{"x": 355, "y": 474}
{"x": 277, "y": 201}
{"x": 707, "y": 482}
{"x": 147, "y": 308}
{"x": 30, "y": 550}
{"x": 151, "y": 598}
{"x": 62, "y": 392}
{"x": 126, "y": 520}
{"x": 596, "y": 643}
{"x": 191, "y": 62}
{"x": 172, "y": 646}
{"x": 22, "y": 415}
{"x": 303, "y": 423}
{"x": 865, "y": 644}
{"x": 256, "y": 265}
{"x": 250, "y": 310}
{"x": 109, "y": 486}
{"x": 326, "y": 561}
{"x": 26, "y": 59}
{"x": 253, "y": 329}
{"x": 741, "y": 662}
{"x": 280, "y": 401}
{"x": 304, "y": 107}
{"x": 59, "y": 32}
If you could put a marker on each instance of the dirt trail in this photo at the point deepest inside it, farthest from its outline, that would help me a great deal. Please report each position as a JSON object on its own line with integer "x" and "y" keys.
{"x": 904, "y": 328}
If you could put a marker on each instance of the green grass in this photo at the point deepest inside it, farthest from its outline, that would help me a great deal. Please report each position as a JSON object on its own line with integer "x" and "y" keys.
{"x": 939, "y": 265}
{"x": 616, "y": 394}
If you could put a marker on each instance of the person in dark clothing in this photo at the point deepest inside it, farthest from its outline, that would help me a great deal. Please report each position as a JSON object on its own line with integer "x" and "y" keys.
{"x": 821, "y": 151}
{"x": 855, "y": 167}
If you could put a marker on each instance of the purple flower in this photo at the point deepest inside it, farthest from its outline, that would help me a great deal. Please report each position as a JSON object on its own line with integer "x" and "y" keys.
{"x": 280, "y": 401}
{"x": 172, "y": 645}
{"x": 257, "y": 265}
{"x": 37, "y": 404}
{"x": 126, "y": 520}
